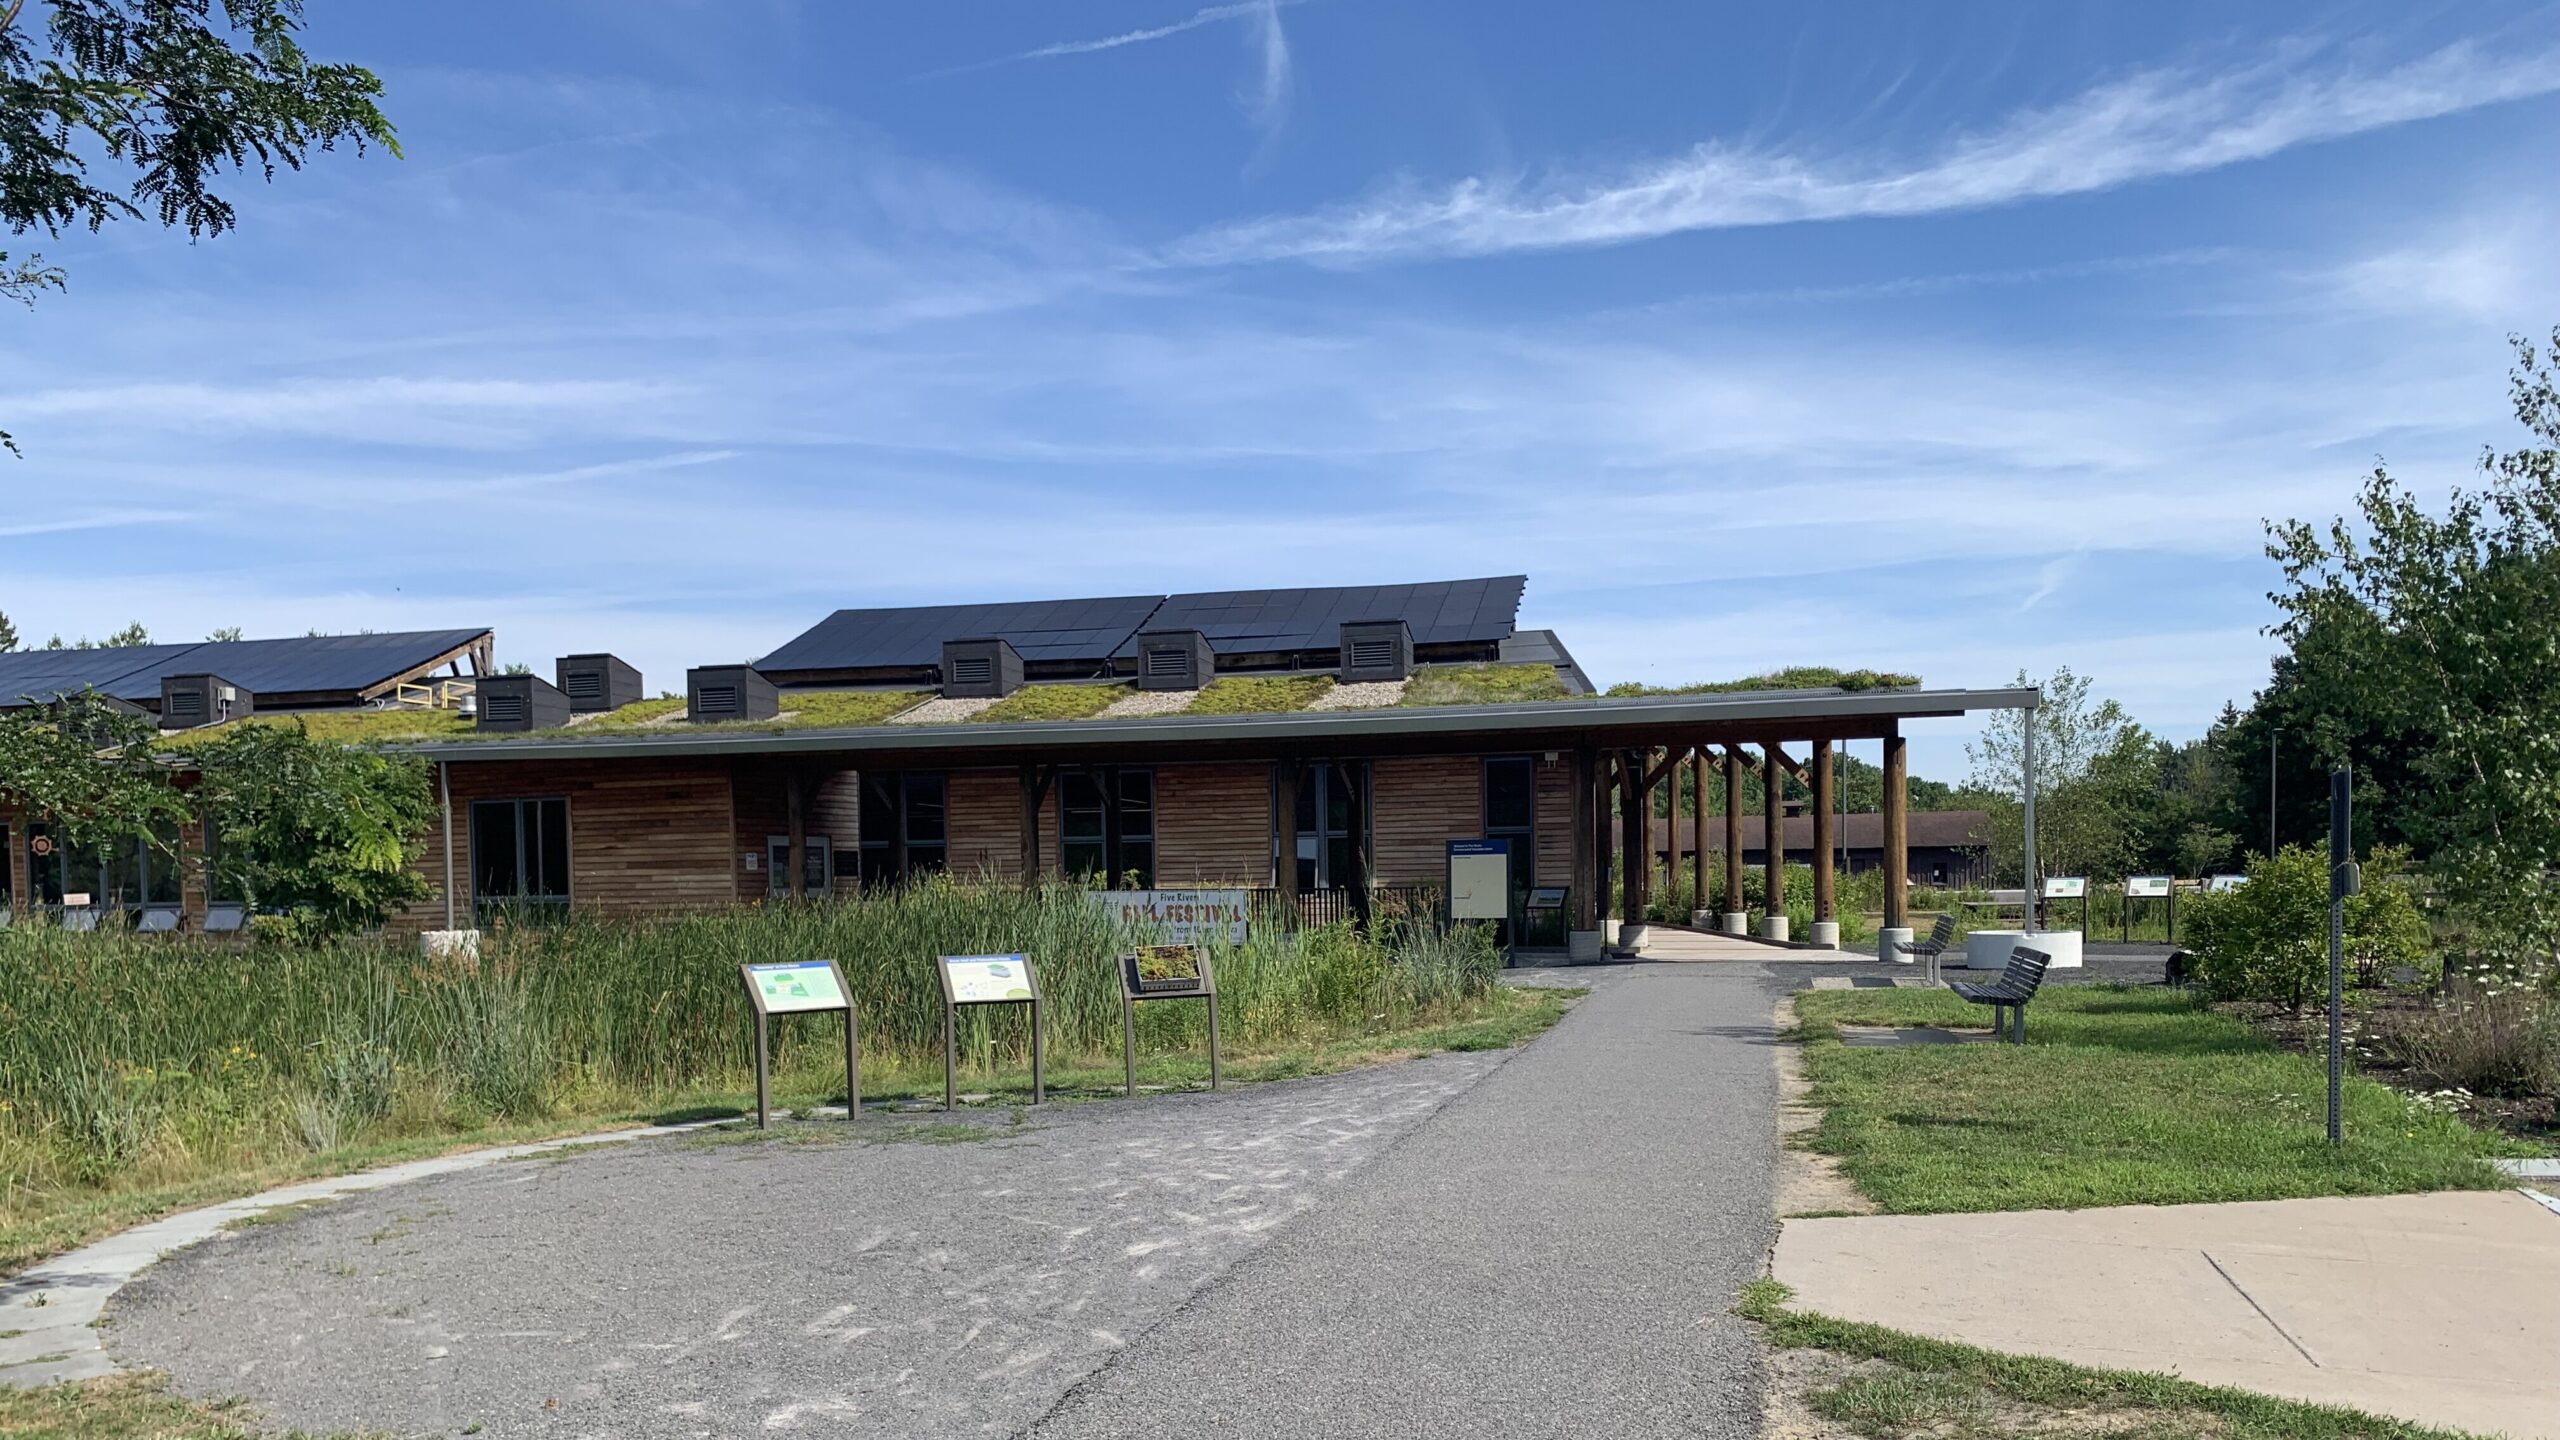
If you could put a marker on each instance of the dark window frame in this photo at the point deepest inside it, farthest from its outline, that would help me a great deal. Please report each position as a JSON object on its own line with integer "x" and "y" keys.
{"x": 1523, "y": 837}
{"x": 1319, "y": 780}
{"x": 903, "y": 798}
{"x": 1118, "y": 849}
{"x": 526, "y": 858}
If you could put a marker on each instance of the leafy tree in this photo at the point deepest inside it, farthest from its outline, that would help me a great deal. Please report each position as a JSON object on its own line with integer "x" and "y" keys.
{"x": 163, "y": 89}
{"x": 8, "y": 634}
{"x": 2443, "y": 629}
{"x": 2095, "y": 772}
{"x": 322, "y": 831}
{"x": 225, "y": 634}
{"x": 89, "y": 768}
{"x": 129, "y": 636}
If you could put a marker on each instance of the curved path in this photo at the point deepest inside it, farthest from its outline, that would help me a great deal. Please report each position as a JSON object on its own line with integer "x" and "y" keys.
{"x": 1537, "y": 1242}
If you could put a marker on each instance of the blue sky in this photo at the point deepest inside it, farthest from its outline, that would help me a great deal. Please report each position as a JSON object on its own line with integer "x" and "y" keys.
{"x": 1951, "y": 339}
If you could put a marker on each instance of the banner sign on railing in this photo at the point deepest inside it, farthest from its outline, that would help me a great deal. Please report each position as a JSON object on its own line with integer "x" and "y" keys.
{"x": 1181, "y": 917}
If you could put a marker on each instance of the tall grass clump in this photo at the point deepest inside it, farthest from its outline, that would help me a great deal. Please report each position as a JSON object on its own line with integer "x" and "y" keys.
{"x": 137, "y": 1061}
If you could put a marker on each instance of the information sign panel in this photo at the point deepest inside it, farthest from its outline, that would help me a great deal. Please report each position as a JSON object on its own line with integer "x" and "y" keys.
{"x": 1182, "y": 917}
{"x": 2221, "y": 883}
{"x": 1479, "y": 879}
{"x": 800, "y": 987}
{"x": 2146, "y": 887}
{"x": 987, "y": 980}
{"x": 2065, "y": 887}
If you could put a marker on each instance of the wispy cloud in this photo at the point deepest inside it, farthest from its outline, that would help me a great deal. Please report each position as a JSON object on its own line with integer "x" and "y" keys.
{"x": 1209, "y": 15}
{"x": 1266, "y": 103}
{"x": 2143, "y": 126}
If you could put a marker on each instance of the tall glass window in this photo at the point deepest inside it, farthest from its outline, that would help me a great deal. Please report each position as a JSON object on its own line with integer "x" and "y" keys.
{"x": 520, "y": 852}
{"x": 905, "y": 827}
{"x": 1333, "y": 826}
{"x": 1107, "y": 825}
{"x": 1511, "y": 813}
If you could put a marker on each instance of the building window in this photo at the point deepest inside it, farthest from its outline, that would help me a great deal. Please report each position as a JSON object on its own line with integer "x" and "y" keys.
{"x": 520, "y": 852}
{"x": 122, "y": 875}
{"x": 1333, "y": 826}
{"x": 816, "y": 864}
{"x": 1107, "y": 825}
{"x": 1511, "y": 813}
{"x": 905, "y": 830}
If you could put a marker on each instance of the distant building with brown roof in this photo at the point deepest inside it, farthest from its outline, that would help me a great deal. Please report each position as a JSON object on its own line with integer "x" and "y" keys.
{"x": 1947, "y": 847}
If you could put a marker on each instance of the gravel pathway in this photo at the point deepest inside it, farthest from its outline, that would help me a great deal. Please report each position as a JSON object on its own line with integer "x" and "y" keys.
{"x": 1541, "y": 1242}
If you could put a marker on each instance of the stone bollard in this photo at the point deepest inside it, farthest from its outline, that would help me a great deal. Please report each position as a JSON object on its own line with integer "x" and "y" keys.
{"x": 1773, "y": 927}
{"x": 1826, "y": 934}
{"x": 1885, "y": 940}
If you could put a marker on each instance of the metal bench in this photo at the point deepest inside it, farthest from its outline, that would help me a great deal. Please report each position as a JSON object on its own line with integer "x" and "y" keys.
{"x": 1941, "y": 935}
{"x": 2011, "y": 992}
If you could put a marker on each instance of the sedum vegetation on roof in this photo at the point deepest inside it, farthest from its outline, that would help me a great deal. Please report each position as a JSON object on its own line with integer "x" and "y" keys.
{"x": 1795, "y": 677}
{"x": 1491, "y": 684}
{"x": 1052, "y": 702}
{"x": 635, "y": 714}
{"x": 1258, "y": 694}
{"x": 353, "y": 727}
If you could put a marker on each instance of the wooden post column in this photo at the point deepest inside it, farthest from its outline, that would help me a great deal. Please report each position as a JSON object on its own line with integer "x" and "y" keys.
{"x": 1604, "y": 780}
{"x": 1035, "y": 797}
{"x": 1897, "y": 829}
{"x": 1285, "y": 795}
{"x": 794, "y": 787}
{"x": 1697, "y": 831}
{"x": 1632, "y": 814}
{"x": 1822, "y": 832}
{"x": 1733, "y": 832}
{"x": 1773, "y": 833}
{"x": 1586, "y": 850}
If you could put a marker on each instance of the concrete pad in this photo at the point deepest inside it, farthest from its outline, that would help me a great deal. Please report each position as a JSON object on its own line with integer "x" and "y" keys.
{"x": 2443, "y": 1309}
{"x": 1885, "y": 1037}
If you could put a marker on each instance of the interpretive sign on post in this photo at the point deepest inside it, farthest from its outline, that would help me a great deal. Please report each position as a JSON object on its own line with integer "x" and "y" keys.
{"x": 1180, "y": 917}
{"x": 987, "y": 980}
{"x": 800, "y": 987}
{"x": 1165, "y": 972}
{"x": 2064, "y": 887}
{"x": 2149, "y": 887}
{"x": 1479, "y": 879}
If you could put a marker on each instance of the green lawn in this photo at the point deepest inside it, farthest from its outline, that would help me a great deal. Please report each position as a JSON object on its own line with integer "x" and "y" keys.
{"x": 1894, "y": 1386}
{"x": 2120, "y": 1097}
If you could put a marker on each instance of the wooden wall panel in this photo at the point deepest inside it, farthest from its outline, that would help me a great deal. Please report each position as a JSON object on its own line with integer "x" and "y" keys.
{"x": 1555, "y": 821}
{"x": 644, "y": 835}
{"x": 1213, "y": 825}
{"x": 1417, "y": 806}
{"x": 985, "y": 819}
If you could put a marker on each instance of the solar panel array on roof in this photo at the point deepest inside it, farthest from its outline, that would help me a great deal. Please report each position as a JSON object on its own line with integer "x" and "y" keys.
{"x": 1439, "y": 612}
{"x": 913, "y": 635}
{"x": 321, "y": 664}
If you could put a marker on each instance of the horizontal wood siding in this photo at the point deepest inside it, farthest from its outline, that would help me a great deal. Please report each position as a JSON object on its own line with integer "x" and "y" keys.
{"x": 1417, "y": 807}
{"x": 985, "y": 819}
{"x": 1555, "y": 821}
{"x": 1213, "y": 825}
{"x": 644, "y": 835}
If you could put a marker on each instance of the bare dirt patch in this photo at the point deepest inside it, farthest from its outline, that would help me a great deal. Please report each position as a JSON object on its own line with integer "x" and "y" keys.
{"x": 1809, "y": 1183}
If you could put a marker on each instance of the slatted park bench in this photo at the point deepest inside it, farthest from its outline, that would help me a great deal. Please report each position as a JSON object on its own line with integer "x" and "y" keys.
{"x": 1941, "y": 935}
{"x": 2010, "y": 993}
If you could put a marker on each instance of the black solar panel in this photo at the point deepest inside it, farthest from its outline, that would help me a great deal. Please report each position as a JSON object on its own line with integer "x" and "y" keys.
{"x": 913, "y": 635}
{"x": 320, "y": 663}
{"x": 1439, "y": 612}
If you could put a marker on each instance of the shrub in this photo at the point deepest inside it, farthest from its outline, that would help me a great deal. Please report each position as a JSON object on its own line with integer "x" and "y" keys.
{"x": 2503, "y": 1042}
{"x": 2269, "y": 940}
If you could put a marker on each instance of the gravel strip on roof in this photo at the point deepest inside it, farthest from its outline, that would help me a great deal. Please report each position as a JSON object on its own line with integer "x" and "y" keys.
{"x": 943, "y": 710}
{"x": 1361, "y": 695}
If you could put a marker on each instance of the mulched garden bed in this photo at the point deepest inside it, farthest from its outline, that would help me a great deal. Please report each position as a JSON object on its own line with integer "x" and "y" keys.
{"x": 2536, "y": 1119}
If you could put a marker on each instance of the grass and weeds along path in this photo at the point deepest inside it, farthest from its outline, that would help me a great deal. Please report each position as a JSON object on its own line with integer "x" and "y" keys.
{"x": 2120, "y": 1097}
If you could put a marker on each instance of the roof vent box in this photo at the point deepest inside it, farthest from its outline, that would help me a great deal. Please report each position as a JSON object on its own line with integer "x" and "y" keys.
{"x": 189, "y": 701}
{"x": 980, "y": 669}
{"x": 713, "y": 693}
{"x": 1174, "y": 660}
{"x": 520, "y": 702}
{"x": 1376, "y": 650}
{"x": 596, "y": 682}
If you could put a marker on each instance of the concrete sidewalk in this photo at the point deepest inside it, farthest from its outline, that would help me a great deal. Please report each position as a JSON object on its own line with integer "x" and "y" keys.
{"x": 2439, "y": 1308}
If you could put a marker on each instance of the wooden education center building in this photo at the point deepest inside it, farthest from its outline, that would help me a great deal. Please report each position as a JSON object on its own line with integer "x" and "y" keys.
{"x": 1318, "y": 745}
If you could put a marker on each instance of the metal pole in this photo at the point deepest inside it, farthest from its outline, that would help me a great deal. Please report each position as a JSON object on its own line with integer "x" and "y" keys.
{"x": 2027, "y": 795}
{"x": 2272, "y": 732}
{"x": 1213, "y": 1039}
{"x": 2341, "y": 885}
{"x": 764, "y": 1099}
{"x": 1129, "y": 1043}
{"x": 852, "y": 1066}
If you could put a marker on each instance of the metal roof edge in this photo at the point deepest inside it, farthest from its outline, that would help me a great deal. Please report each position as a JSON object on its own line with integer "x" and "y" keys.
{"x": 1583, "y": 711}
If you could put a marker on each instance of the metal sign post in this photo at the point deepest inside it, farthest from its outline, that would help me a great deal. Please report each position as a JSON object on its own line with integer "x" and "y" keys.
{"x": 2064, "y": 887}
{"x": 1165, "y": 972}
{"x": 987, "y": 980}
{"x": 2146, "y": 887}
{"x": 799, "y": 988}
{"x": 2344, "y": 880}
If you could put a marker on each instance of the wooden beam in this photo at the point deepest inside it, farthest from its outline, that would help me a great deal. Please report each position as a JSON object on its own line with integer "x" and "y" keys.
{"x": 797, "y": 823}
{"x": 1036, "y": 779}
{"x": 1604, "y": 784}
{"x": 1285, "y": 794}
{"x": 1633, "y": 810}
{"x": 1897, "y": 829}
{"x": 1822, "y": 831}
{"x": 1662, "y": 768}
{"x": 1697, "y": 829}
{"x": 1586, "y": 854}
